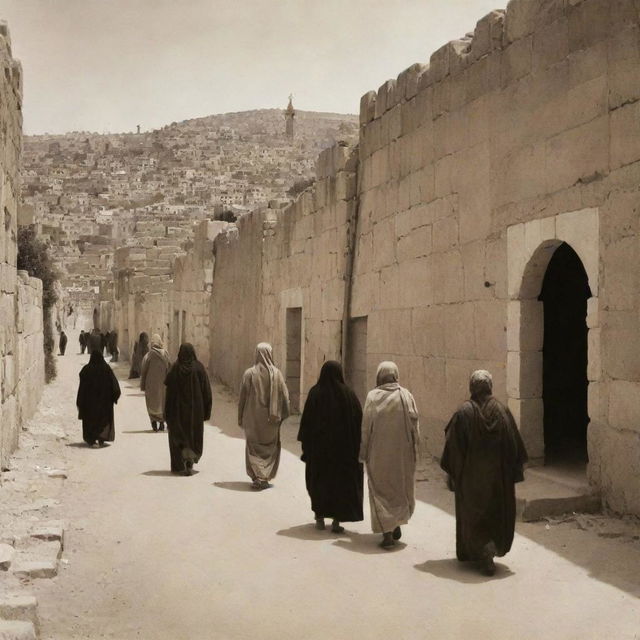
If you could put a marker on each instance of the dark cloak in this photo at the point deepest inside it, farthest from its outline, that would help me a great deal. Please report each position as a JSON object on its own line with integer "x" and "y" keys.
{"x": 63, "y": 343}
{"x": 82, "y": 339}
{"x": 483, "y": 455}
{"x": 94, "y": 341}
{"x": 98, "y": 392}
{"x": 140, "y": 349}
{"x": 187, "y": 406}
{"x": 330, "y": 431}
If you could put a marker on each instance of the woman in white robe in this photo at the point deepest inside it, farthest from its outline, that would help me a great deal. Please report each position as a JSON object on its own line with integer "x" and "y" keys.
{"x": 263, "y": 405}
{"x": 389, "y": 449}
{"x": 154, "y": 369}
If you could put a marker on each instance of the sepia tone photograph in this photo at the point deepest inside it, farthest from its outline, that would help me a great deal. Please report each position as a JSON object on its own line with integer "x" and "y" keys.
{"x": 320, "y": 320}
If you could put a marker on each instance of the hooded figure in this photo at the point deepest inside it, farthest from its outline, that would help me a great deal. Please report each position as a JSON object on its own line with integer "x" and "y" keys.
{"x": 98, "y": 392}
{"x": 483, "y": 455}
{"x": 263, "y": 405}
{"x": 155, "y": 366}
{"x": 94, "y": 341}
{"x": 83, "y": 341}
{"x": 330, "y": 437}
{"x": 389, "y": 448}
{"x": 187, "y": 406}
{"x": 63, "y": 342}
{"x": 113, "y": 346}
{"x": 140, "y": 349}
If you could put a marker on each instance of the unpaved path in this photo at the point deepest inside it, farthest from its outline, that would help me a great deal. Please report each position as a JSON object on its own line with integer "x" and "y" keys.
{"x": 151, "y": 555}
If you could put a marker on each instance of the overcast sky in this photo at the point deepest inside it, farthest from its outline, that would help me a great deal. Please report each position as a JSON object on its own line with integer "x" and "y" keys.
{"x": 108, "y": 65}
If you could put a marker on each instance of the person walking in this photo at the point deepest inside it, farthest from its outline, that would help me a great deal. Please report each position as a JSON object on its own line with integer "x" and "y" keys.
{"x": 389, "y": 449}
{"x": 62, "y": 345}
{"x": 83, "y": 341}
{"x": 140, "y": 349}
{"x": 113, "y": 346}
{"x": 187, "y": 405}
{"x": 94, "y": 341}
{"x": 263, "y": 405}
{"x": 97, "y": 393}
{"x": 484, "y": 457}
{"x": 155, "y": 366}
{"x": 330, "y": 434}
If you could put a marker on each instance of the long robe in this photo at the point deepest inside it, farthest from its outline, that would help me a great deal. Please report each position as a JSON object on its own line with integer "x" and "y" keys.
{"x": 98, "y": 392}
{"x": 63, "y": 343}
{"x": 483, "y": 456}
{"x": 389, "y": 448}
{"x": 256, "y": 417}
{"x": 155, "y": 366}
{"x": 188, "y": 404}
{"x": 330, "y": 436}
{"x": 140, "y": 349}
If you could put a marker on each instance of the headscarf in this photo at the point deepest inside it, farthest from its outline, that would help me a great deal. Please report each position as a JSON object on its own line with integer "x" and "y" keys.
{"x": 330, "y": 374}
{"x": 267, "y": 381}
{"x": 387, "y": 373}
{"x": 186, "y": 358}
{"x": 143, "y": 341}
{"x": 480, "y": 384}
{"x": 156, "y": 341}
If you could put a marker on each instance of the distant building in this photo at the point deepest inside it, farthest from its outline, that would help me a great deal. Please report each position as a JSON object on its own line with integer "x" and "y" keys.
{"x": 289, "y": 116}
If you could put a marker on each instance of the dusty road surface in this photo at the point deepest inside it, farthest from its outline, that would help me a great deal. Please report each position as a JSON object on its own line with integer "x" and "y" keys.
{"x": 155, "y": 556}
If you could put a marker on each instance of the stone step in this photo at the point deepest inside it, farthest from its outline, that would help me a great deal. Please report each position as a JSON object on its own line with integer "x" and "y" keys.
{"x": 19, "y": 607}
{"x": 17, "y": 630}
{"x": 7, "y": 555}
{"x": 549, "y": 492}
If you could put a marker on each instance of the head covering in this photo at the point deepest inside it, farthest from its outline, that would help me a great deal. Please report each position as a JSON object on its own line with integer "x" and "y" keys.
{"x": 387, "y": 373}
{"x": 480, "y": 383}
{"x": 267, "y": 381}
{"x": 331, "y": 374}
{"x": 144, "y": 338}
{"x": 156, "y": 341}
{"x": 186, "y": 357}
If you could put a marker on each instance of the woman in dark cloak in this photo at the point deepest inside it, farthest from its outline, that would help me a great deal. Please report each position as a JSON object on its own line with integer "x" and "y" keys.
{"x": 113, "y": 346}
{"x": 187, "y": 406}
{"x": 140, "y": 350}
{"x": 330, "y": 435}
{"x": 98, "y": 392}
{"x": 484, "y": 457}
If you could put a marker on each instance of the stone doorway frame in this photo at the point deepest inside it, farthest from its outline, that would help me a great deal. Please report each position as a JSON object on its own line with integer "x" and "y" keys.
{"x": 530, "y": 246}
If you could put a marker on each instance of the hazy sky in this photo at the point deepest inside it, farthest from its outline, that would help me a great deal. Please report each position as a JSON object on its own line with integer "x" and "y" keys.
{"x": 107, "y": 65}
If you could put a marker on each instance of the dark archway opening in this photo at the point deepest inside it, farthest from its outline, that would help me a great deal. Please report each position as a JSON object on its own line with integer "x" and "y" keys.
{"x": 565, "y": 291}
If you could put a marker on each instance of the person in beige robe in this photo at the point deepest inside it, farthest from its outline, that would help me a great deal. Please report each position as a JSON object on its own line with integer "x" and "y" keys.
{"x": 153, "y": 373}
{"x": 263, "y": 405}
{"x": 389, "y": 450}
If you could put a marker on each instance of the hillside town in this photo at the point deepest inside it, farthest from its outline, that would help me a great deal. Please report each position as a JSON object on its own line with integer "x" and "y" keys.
{"x": 89, "y": 193}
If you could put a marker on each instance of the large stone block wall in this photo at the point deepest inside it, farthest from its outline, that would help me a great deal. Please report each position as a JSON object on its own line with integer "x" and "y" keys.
{"x": 21, "y": 352}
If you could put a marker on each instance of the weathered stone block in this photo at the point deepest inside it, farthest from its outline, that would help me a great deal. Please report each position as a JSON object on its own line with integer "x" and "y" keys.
{"x": 7, "y": 555}
{"x": 368, "y": 107}
{"x": 625, "y": 135}
{"x": 17, "y": 630}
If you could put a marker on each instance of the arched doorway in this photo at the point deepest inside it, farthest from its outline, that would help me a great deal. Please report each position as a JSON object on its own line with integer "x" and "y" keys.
{"x": 564, "y": 294}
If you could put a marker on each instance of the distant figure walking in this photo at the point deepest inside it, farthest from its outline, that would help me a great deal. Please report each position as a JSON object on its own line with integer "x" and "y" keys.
{"x": 94, "y": 341}
{"x": 484, "y": 456}
{"x": 187, "y": 406}
{"x": 263, "y": 405}
{"x": 389, "y": 448}
{"x": 83, "y": 341}
{"x": 63, "y": 342}
{"x": 155, "y": 366}
{"x": 113, "y": 346}
{"x": 98, "y": 392}
{"x": 330, "y": 436}
{"x": 140, "y": 349}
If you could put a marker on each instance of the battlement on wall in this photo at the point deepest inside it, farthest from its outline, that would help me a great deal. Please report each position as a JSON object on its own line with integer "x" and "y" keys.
{"x": 497, "y": 31}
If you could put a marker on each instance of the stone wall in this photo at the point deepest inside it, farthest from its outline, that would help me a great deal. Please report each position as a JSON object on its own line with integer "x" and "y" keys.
{"x": 21, "y": 352}
{"x": 470, "y": 172}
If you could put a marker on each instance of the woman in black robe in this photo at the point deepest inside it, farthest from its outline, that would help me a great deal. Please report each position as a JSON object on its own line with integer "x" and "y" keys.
{"x": 187, "y": 406}
{"x": 140, "y": 349}
{"x": 330, "y": 431}
{"x": 98, "y": 392}
{"x": 484, "y": 457}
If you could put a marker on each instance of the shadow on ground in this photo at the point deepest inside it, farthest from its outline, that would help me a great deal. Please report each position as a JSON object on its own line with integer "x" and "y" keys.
{"x": 467, "y": 572}
{"x": 235, "y": 486}
{"x": 166, "y": 473}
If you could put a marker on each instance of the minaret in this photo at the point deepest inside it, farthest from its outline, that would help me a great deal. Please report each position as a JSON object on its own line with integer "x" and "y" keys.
{"x": 289, "y": 115}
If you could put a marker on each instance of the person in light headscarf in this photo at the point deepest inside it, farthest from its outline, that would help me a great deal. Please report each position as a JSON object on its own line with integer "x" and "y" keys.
{"x": 263, "y": 405}
{"x": 389, "y": 449}
{"x": 155, "y": 366}
{"x": 484, "y": 457}
{"x": 187, "y": 406}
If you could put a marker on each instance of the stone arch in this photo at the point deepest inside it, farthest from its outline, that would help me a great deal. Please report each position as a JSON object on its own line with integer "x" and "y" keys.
{"x": 530, "y": 247}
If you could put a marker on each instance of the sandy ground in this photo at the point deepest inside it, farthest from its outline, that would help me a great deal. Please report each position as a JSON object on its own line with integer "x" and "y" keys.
{"x": 151, "y": 555}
